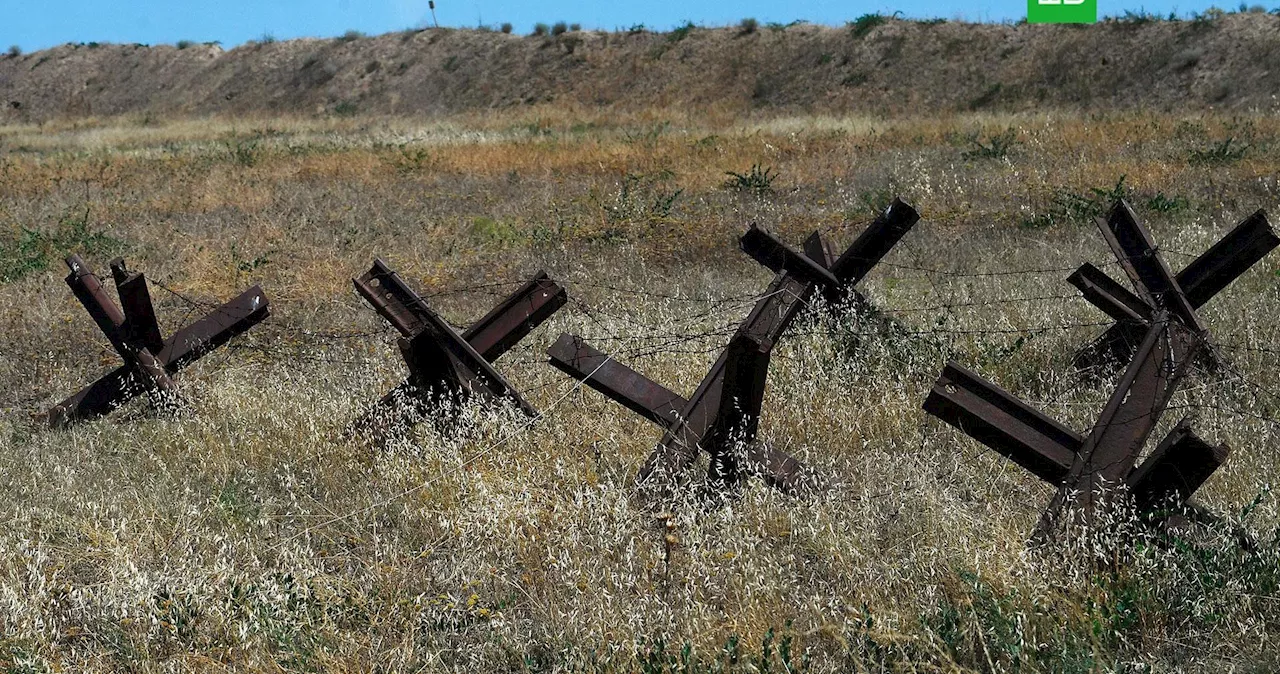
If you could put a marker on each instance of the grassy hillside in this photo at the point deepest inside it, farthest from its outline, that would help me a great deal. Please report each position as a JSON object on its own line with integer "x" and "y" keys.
{"x": 873, "y": 65}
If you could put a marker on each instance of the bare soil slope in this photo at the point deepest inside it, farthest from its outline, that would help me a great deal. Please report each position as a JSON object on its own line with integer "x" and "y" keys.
{"x": 894, "y": 67}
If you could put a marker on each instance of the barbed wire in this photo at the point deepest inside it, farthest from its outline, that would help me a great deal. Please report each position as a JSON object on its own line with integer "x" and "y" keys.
{"x": 704, "y": 331}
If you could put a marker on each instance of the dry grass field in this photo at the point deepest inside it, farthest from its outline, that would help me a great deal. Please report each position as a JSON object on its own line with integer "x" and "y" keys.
{"x": 242, "y": 533}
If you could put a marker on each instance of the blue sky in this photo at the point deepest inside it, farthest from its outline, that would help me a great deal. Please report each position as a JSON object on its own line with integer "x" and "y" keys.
{"x": 36, "y": 24}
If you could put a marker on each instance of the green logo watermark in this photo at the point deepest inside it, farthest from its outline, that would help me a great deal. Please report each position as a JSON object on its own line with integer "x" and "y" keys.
{"x": 1062, "y": 11}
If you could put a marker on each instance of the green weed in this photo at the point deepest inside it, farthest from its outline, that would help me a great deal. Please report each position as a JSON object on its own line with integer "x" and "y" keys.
{"x": 33, "y": 251}
{"x": 758, "y": 180}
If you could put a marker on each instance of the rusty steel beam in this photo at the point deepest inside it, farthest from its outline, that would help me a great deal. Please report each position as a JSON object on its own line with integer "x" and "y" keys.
{"x": 1111, "y": 449}
{"x": 746, "y": 372}
{"x": 1176, "y": 469}
{"x": 778, "y": 257}
{"x": 1137, "y": 254}
{"x": 97, "y": 399}
{"x": 816, "y": 249}
{"x": 141, "y": 326}
{"x": 88, "y": 289}
{"x": 578, "y": 359}
{"x": 875, "y": 242}
{"x": 518, "y": 315}
{"x": 1230, "y": 257}
{"x": 1195, "y": 285}
{"x": 133, "y": 332}
{"x": 218, "y": 327}
{"x": 1111, "y": 297}
{"x": 437, "y": 356}
{"x": 382, "y": 288}
{"x": 766, "y": 323}
{"x": 781, "y": 471}
{"x": 997, "y": 419}
{"x": 654, "y": 402}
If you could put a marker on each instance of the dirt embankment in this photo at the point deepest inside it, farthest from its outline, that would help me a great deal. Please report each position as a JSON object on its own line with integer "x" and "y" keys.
{"x": 893, "y": 67}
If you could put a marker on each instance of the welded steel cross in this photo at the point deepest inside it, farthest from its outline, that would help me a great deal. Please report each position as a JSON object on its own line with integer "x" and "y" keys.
{"x": 149, "y": 359}
{"x": 440, "y": 360}
{"x": 721, "y": 417}
{"x": 1088, "y": 469}
{"x": 1158, "y": 289}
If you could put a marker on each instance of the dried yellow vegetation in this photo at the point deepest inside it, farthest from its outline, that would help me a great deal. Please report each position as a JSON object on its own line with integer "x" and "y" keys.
{"x": 244, "y": 534}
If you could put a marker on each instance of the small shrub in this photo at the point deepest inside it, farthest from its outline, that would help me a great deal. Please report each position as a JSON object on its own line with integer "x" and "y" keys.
{"x": 350, "y": 36}
{"x": 642, "y": 198}
{"x": 636, "y": 29}
{"x": 1067, "y": 206}
{"x": 267, "y": 38}
{"x": 559, "y": 28}
{"x": 1138, "y": 18}
{"x": 757, "y": 181}
{"x": 682, "y": 32}
{"x": 451, "y": 64}
{"x": 996, "y": 146}
{"x": 506, "y": 28}
{"x": 182, "y": 44}
{"x": 346, "y": 109}
{"x": 243, "y": 152}
{"x": 15, "y": 51}
{"x": 866, "y": 23}
{"x": 854, "y": 79}
{"x": 575, "y": 27}
{"x": 541, "y": 29}
{"x": 1163, "y": 204}
{"x": 748, "y": 26}
{"x": 1223, "y": 152}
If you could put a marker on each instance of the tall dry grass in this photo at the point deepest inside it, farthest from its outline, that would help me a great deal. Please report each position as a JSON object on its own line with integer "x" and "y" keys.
{"x": 245, "y": 534}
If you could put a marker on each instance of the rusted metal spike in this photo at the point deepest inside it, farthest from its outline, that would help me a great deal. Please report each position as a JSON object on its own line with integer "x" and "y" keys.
{"x": 140, "y": 327}
{"x": 781, "y": 471}
{"x": 778, "y": 257}
{"x": 183, "y": 348}
{"x": 1176, "y": 469}
{"x": 746, "y": 370}
{"x": 97, "y": 399}
{"x": 1112, "y": 447}
{"x": 438, "y": 355}
{"x": 997, "y": 419}
{"x": 517, "y": 316}
{"x": 1111, "y": 297}
{"x": 145, "y": 369}
{"x": 772, "y": 314}
{"x": 1137, "y": 254}
{"x": 1114, "y": 346}
{"x": 1230, "y": 257}
{"x": 816, "y": 249}
{"x": 88, "y": 289}
{"x": 767, "y": 321}
{"x": 875, "y": 242}
{"x": 392, "y": 299}
{"x": 394, "y": 412}
{"x": 215, "y": 329}
{"x": 661, "y": 406}
{"x": 575, "y": 357}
